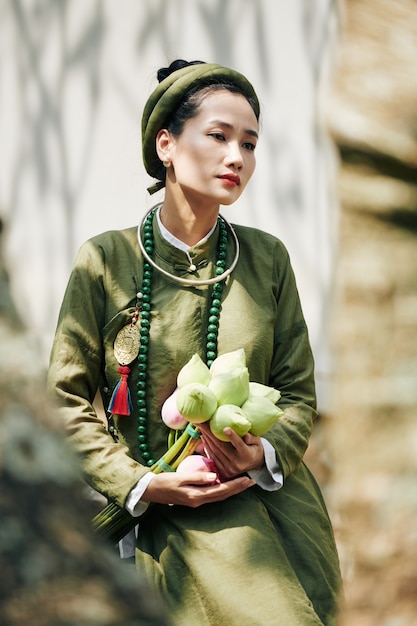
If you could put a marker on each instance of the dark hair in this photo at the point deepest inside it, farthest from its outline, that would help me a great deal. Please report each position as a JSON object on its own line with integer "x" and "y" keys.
{"x": 178, "y": 64}
{"x": 188, "y": 107}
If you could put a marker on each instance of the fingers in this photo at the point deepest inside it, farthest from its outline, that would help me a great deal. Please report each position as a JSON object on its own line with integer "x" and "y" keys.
{"x": 236, "y": 446}
{"x": 250, "y": 439}
{"x": 235, "y": 456}
{"x": 218, "y": 492}
{"x": 171, "y": 488}
{"x": 193, "y": 489}
{"x": 198, "y": 478}
{"x": 236, "y": 441}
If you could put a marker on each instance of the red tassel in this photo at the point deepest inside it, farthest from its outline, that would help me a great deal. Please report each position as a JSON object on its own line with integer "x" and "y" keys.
{"x": 121, "y": 403}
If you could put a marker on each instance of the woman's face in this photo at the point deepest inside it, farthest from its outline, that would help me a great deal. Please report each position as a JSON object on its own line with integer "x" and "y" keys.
{"x": 213, "y": 158}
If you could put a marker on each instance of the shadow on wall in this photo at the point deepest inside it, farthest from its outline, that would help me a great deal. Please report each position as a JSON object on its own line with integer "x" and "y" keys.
{"x": 42, "y": 102}
{"x": 59, "y": 55}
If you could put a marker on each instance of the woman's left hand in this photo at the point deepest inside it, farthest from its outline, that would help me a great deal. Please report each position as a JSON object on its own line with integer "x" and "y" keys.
{"x": 233, "y": 457}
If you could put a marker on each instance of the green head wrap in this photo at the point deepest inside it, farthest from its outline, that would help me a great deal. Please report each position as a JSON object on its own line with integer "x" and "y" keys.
{"x": 166, "y": 98}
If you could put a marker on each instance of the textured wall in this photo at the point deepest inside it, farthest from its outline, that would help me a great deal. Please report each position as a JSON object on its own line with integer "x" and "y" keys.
{"x": 77, "y": 75}
{"x": 372, "y": 433}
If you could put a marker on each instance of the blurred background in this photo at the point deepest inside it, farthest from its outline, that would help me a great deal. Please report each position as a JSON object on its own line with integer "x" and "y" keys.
{"x": 336, "y": 181}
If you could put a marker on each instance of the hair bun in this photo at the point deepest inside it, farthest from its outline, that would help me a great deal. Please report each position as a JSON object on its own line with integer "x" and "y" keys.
{"x": 178, "y": 64}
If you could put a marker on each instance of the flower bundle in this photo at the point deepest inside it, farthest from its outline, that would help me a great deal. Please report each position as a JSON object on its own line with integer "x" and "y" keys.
{"x": 221, "y": 395}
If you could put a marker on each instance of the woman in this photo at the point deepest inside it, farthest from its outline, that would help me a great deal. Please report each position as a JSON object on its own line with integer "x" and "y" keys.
{"x": 257, "y": 548}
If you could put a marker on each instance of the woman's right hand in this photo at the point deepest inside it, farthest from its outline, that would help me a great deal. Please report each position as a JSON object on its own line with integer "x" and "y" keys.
{"x": 193, "y": 489}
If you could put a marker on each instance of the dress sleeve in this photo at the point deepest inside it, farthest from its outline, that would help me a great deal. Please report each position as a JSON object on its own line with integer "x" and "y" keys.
{"x": 292, "y": 372}
{"x": 76, "y": 366}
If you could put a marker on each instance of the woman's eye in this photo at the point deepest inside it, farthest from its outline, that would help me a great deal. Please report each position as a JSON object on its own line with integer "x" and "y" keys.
{"x": 249, "y": 146}
{"x": 218, "y": 136}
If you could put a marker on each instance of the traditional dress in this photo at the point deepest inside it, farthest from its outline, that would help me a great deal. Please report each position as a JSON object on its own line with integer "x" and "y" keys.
{"x": 260, "y": 558}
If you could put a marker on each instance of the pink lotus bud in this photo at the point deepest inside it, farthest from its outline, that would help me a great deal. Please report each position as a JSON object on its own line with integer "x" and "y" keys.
{"x": 198, "y": 463}
{"x": 170, "y": 414}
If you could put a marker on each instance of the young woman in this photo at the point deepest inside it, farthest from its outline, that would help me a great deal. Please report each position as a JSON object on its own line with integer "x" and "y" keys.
{"x": 257, "y": 548}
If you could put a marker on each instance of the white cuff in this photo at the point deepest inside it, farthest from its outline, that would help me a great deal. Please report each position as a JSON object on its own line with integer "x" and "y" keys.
{"x": 270, "y": 476}
{"x": 133, "y": 504}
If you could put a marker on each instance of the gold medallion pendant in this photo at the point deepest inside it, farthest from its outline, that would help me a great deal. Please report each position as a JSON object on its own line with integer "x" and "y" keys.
{"x": 126, "y": 344}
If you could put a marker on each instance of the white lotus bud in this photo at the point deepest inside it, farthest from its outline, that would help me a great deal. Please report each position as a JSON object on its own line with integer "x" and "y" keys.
{"x": 228, "y": 362}
{"x": 195, "y": 371}
{"x": 231, "y": 387}
{"x": 257, "y": 389}
{"x": 196, "y": 402}
{"x": 229, "y": 416}
{"x": 261, "y": 413}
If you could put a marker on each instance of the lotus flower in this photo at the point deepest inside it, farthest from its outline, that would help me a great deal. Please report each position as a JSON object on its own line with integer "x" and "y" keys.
{"x": 229, "y": 416}
{"x": 228, "y": 362}
{"x": 196, "y": 402}
{"x": 170, "y": 414}
{"x": 261, "y": 413}
{"x": 231, "y": 387}
{"x": 198, "y": 463}
{"x": 195, "y": 371}
{"x": 257, "y": 389}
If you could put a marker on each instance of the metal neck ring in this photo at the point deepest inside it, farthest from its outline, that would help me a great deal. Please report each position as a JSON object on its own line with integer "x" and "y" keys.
{"x": 191, "y": 282}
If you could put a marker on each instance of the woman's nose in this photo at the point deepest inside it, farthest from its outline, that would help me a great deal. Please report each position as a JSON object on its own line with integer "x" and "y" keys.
{"x": 234, "y": 157}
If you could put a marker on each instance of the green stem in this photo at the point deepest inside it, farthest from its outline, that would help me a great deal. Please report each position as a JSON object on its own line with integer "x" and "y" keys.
{"x": 114, "y": 522}
{"x": 189, "y": 448}
{"x": 175, "y": 450}
{"x": 172, "y": 436}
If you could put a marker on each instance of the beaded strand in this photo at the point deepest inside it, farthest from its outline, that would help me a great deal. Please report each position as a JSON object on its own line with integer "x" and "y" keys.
{"x": 215, "y": 306}
{"x": 144, "y": 298}
{"x": 144, "y": 304}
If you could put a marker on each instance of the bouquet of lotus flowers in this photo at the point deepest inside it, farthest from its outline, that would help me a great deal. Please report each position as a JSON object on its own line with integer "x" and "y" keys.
{"x": 221, "y": 395}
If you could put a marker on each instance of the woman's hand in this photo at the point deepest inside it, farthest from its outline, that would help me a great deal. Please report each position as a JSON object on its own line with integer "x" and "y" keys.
{"x": 232, "y": 458}
{"x": 235, "y": 457}
{"x": 193, "y": 489}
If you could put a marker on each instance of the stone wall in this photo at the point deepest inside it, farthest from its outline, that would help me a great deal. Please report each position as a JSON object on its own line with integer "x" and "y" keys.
{"x": 372, "y": 433}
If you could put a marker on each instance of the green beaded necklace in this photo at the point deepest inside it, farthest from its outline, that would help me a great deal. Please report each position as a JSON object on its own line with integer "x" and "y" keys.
{"x": 144, "y": 309}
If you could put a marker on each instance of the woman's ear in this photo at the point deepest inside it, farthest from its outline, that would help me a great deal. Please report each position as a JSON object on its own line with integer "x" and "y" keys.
{"x": 163, "y": 145}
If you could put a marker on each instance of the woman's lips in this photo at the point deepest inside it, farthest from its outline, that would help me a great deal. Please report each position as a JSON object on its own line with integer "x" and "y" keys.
{"x": 231, "y": 179}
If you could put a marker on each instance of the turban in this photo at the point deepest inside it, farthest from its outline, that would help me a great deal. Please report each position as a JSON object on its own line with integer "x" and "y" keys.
{"x": 168, "y": 95}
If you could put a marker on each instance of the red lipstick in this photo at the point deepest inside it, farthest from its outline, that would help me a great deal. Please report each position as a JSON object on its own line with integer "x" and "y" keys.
{"x": 234, "y": 179}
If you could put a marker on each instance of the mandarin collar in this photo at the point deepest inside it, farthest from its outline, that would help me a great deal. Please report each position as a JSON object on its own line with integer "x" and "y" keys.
{"x": 200, "y": 254}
